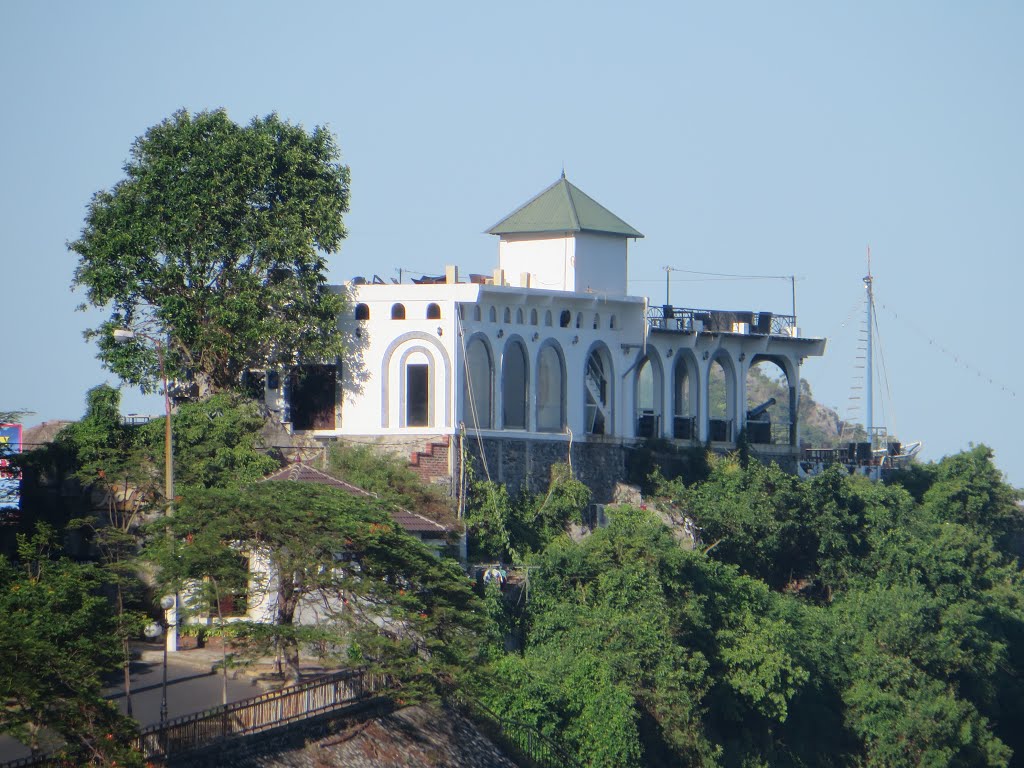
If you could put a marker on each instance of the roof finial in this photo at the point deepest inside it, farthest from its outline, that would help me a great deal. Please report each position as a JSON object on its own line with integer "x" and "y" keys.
{"x": 563, "y": 169}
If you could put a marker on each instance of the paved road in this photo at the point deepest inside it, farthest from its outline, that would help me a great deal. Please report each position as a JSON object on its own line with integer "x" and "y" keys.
{"x": 189, "y": 689}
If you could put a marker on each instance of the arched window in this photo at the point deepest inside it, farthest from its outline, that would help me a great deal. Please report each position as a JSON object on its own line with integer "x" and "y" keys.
{"x": 533, "y": 317}
{"x": 611, "y": 322}
{"x": 597, "y": 321}
{"x": 579, "y": 319}
{"x": 547, "y": 318}
{"x": 550, "y": 390}
{"x": 507, "y": 315}
{"x": 433, "y": 312}
{"x": 684, "y": 401}
{"x": 477, "y": 313}
{"x": 398, "y": 312}
{"x": 648, "y": 398}
{"x": 597, "y": 384}
{"x": 514, "y": 392}
{"x": 771, "y": 402}
{"x": 478, "y": 386}
{"x": 721, "y": 395}
{"x": 565, "y": 318}
{"x": 492, "y": 315}
{"x": 362, "y": 311}
{"x": 519, "y": 316}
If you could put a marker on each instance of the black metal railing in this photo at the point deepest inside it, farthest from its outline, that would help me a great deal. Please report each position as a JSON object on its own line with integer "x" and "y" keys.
{"x": 761, "y": 432}
{"x": 202, "y": 730}
{"x": 648, "y": 424}
{"x": 689, "y": 320}
{"x": 720, "y": 430}
{"x": 527, "y": 740}
{"x": 270, "y": 710}
{"x": 684, "y": 427}
{"x": 312, "y": 698}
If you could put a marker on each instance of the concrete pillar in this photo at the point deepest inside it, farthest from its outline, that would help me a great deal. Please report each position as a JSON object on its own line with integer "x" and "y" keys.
{"x": 740, "y": 399}
{"x": 703, "y": 376}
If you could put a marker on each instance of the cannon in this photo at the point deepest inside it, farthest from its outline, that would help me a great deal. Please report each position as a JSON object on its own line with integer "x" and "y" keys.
{"x": 757, "y": 414}
{"x": 759, "y": 423}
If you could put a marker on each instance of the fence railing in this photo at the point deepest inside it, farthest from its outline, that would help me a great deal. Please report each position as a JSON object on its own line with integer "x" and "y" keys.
{"x": 191, "y": 733}
{"x": 689, "y": 320}
{"x": 270, "y": 710}
{"x": 526, "y": 739}
{"x": 203, "y": 730}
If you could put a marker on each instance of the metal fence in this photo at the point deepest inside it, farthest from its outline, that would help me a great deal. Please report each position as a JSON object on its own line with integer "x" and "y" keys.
{"x": 271, "y": 710}
{"x": 195, "y": 732}
{"x": 690, "y": 320}
{"x": 527, "y": 740}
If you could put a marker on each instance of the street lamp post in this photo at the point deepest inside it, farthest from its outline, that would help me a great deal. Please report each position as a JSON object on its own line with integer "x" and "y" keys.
{"x": 153, "y": 631}
{"x": 121, "y": 336}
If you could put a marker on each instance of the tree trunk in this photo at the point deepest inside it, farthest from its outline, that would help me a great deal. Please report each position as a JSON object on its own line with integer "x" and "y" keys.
{"x": 223, "y": 644}
{"x": 287, "y": 602}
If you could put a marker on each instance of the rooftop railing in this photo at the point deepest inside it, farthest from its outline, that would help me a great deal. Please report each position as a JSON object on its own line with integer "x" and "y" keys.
{"x": 689, "y": 320}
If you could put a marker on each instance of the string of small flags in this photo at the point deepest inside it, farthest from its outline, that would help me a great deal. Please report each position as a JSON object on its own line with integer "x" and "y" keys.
{"x": 949, "y": 353}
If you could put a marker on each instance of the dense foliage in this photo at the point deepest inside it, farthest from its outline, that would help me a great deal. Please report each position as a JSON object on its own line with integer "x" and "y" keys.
{"x": 327, "y": 568}
{"x": 58, "y": 635}
{"x": 506, "y": 527}
{"x": 825, "y": 622}
{"x": 215, "y": 241}
{"x": 390, "y": 478}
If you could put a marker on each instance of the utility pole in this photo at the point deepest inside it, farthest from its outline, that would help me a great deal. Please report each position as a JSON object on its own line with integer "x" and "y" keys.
{"x": 869, "y": 383}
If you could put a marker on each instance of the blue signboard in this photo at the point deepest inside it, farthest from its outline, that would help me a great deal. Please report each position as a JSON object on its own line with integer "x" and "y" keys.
{"x": 10, "y": 478}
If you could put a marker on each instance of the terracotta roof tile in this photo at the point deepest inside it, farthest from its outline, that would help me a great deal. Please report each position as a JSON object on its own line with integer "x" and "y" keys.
{"x": 410, "y": 521}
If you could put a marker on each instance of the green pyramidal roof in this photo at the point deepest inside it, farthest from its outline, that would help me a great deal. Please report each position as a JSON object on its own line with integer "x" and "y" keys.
{"x": 562, "y": 208}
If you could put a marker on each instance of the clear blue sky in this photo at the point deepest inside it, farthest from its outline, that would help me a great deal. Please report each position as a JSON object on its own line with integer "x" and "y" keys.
{"x": 751, "y": 138}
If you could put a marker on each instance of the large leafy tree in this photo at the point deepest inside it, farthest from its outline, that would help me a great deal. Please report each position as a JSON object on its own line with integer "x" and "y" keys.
{"x": 215, "y": 240}
{"x": 58, "y": 635}
{"x": 379, "y": 595}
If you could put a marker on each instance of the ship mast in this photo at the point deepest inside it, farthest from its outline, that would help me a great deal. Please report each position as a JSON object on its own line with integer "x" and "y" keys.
{"x": 869, "y": 383}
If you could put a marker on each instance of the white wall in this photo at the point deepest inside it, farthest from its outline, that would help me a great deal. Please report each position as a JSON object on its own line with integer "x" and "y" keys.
{"x": 547, "y": 258}
{"x": 574, "y": 342}
{"x": 600, "y": 263}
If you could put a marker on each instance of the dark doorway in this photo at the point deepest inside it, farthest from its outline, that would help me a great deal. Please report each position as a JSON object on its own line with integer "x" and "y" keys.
{"x": 313, "y": 397}
{"x": 417, "y": 395}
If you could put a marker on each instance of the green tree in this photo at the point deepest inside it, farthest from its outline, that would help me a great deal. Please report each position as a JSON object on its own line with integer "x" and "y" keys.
{"x": 380, "y": 595}
{"x": 58, "y": 635}
{"x": 509, "y": 527}
{"x": 215, "y": 240}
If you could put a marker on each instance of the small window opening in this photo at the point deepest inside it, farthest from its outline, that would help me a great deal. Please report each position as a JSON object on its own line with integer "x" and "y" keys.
{"x": 362, "y": 311}
{"x": 565, "y": 318}
{"x": 417, "y": 393}
{"x": 433, "y": 312}
{"x": 398, "y": 312}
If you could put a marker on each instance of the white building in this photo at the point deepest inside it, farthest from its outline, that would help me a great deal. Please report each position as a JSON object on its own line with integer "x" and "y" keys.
{"x": 547, "y": 355}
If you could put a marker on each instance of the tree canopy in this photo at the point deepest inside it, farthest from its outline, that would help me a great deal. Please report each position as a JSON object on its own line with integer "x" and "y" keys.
{"x": 378, "y": 595}
{"x": 828, "y": 622}
{"x": 215, "y": 242}
{"x": 58, "y": 635}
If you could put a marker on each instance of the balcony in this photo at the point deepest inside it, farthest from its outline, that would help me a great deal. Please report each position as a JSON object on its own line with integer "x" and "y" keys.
{"x": 688, "y": 320}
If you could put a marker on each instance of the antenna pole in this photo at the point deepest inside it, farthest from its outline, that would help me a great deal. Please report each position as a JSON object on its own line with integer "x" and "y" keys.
{"x": 792, "y": 285}
{"x": 869, "y": 383}
{"x": 668, "y": 275}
